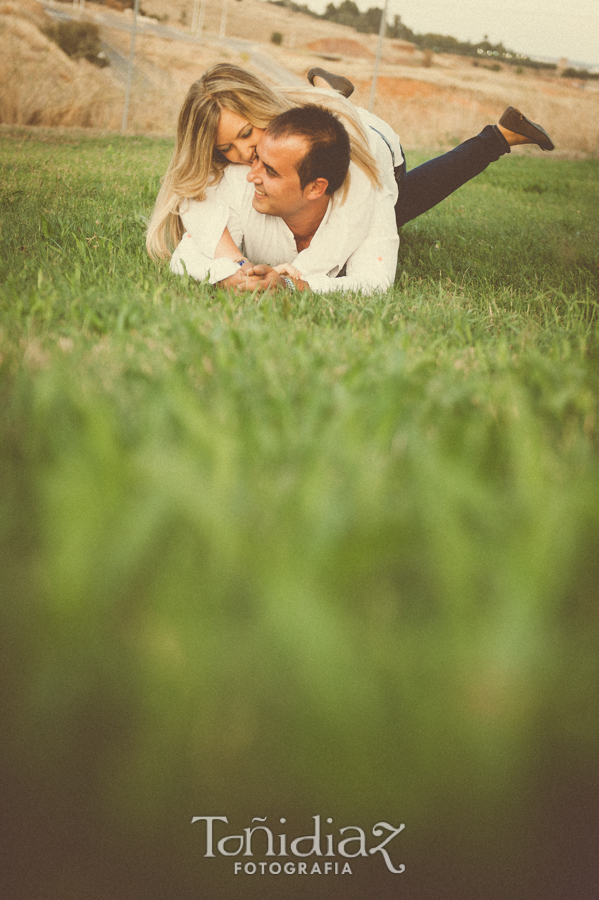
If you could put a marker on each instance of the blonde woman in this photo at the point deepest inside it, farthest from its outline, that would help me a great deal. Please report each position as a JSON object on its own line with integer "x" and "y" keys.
{"x": 222, "y": 120}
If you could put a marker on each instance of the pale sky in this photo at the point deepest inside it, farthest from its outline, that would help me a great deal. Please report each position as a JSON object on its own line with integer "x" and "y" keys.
{"x": 553, "y": 28}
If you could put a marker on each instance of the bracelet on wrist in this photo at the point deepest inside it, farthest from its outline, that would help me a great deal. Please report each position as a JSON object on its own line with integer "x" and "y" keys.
{"x": 289, "y": 283}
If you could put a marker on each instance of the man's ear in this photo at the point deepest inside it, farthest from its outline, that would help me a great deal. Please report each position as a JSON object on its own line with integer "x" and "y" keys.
{"x": 316, "y": 189}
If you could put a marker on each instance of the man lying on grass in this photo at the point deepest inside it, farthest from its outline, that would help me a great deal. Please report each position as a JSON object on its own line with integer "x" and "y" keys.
{"x": 290, "y": 202}
{"x": 290, "y": 207}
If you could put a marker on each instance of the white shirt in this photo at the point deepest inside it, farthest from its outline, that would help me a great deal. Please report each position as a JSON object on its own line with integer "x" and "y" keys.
{"x": 360, "y": 233}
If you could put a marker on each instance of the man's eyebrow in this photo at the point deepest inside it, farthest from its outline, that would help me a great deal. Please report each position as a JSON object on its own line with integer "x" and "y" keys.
{"x": 266, "y": 166}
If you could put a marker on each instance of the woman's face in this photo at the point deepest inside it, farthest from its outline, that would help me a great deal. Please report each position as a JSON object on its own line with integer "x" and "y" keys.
{"x": 236, "y": 138}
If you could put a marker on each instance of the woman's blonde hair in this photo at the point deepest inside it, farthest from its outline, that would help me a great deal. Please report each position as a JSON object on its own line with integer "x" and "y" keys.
{"x": 196, "y": 164}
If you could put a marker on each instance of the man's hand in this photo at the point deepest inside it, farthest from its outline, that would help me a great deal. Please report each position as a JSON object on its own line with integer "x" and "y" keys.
{"x": 251, "y": 278}
{"x": 288, "y": 269}
{"x": 294, "y": 274}
{"x": 263, "y": 278}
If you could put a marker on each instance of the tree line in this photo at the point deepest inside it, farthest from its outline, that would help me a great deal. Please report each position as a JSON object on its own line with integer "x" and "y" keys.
{"x": 369, "y": 22}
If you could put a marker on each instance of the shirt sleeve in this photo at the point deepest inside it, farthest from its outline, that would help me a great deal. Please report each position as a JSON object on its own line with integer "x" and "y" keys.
{"x": 188, "y": 258}
{"x": 373, "y": 264}
{"x": 384, "y": 131}
{"x": 205, "y": 220}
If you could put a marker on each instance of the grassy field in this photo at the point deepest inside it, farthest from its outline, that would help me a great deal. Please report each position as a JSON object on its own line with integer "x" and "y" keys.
{"x": 287, "y": 557}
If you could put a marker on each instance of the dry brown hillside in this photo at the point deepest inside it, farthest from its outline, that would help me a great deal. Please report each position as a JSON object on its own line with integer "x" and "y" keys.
{"x": 432, "y": 102}
{"x": 40, "y": 84}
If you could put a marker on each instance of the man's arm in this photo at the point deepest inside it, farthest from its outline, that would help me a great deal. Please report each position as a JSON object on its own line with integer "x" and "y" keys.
{"x": 343, "y": 229}
{"x": 372, "y": 266}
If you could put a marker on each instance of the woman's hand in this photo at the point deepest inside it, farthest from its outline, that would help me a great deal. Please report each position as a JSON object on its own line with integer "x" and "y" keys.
{"x": 237, "y": 280}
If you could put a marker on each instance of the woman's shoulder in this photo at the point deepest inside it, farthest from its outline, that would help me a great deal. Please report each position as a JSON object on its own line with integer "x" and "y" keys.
{"x": 382, "y": 138}
{"x": 188, "y": 204}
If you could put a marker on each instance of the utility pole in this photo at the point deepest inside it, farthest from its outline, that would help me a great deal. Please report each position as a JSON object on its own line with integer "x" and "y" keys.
{"x": 194, "y": 16}
{"x": 200, "y": 25}
{"x": 223, "y": 21}
{"x": 130, "y": 70}
{"x": 379, "y": 52}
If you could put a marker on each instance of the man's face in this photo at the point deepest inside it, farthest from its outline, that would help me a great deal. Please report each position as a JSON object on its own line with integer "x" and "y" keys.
{"x": 274, "y": 176}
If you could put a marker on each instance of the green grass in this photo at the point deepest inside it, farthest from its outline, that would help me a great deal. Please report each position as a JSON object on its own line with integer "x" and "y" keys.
{"x": 331, "y": 555}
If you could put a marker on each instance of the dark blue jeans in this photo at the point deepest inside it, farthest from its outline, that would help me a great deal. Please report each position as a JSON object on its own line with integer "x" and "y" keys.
{"x": 426, "y": 185}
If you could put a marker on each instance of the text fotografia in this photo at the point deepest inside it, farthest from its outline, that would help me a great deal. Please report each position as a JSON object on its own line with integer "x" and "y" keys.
{"x": 334, "y": 848}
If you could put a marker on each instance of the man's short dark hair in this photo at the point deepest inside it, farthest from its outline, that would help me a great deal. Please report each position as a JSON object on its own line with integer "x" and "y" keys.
{"x": 328, "y": 141}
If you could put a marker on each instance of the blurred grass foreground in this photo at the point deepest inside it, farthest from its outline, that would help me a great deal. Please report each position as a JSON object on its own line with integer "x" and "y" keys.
{"x": 320, "y": 556}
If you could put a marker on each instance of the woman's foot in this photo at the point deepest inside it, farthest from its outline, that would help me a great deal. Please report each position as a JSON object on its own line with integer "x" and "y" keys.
{"x": 517, "y": 129}
{"x": 323, "y": 79}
